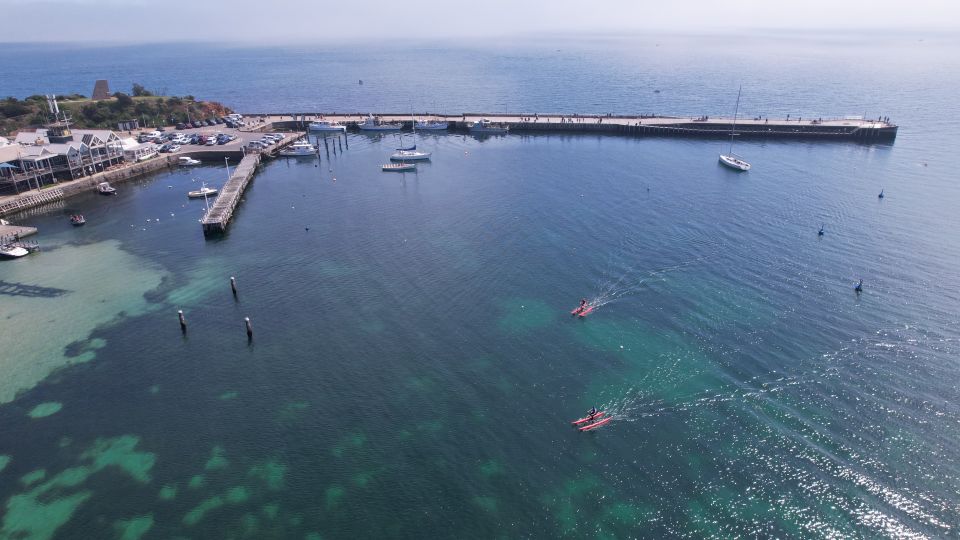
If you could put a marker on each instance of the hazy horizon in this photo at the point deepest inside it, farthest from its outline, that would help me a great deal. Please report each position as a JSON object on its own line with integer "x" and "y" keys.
{"x": 378, "y": 21}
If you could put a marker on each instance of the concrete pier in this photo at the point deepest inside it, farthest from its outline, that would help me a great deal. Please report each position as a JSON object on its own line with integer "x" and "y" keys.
{"x": 13, "y": 233}
{"x": 215, "y": 221}
{"x": 846, "y": 129}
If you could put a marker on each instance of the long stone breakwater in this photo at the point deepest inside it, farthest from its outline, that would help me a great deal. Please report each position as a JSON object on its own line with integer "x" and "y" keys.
{"x": 835, "y": 129}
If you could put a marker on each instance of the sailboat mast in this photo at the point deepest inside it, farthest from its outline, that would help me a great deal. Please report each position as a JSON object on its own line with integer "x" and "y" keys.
{"x": 735, "y": 111}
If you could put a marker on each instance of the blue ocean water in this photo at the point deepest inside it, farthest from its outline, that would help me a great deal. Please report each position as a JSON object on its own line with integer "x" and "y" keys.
{"x": 414, "y": 366}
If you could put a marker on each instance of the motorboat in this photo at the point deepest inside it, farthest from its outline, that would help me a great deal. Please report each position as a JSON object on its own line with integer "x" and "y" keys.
{"x": 734, "y": 162}
{"x": 370, "y": 124}
{"x": 323, "y": 125}
{"x": 299, "y": 149}
{"x": 11, "y": 251}
{"x": 104, "y": 188}
{"x": 187, "y": 161}
{"x": 432, "y": 126}
{"x": 399, "y": 167}
{"x": 730, "y": 159}
{"x": 486, "y": 126}
{"x": 77, "y": 220}
{"x": 202, "y": 193}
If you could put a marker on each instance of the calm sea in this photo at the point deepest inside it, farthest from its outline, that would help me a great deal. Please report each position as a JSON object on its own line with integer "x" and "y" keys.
{"x": 414, "y": 366}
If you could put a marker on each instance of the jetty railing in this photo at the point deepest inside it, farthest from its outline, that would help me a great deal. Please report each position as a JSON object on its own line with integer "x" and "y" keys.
{"x": 22, "y": 203}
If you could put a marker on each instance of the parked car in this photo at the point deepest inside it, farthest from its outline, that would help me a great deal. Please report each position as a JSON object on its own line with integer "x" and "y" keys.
{"x": 164, "y": 148}
{"x": 218, "y": 120}
{"x": 174, "y": 148}
{"x": 181, "y": 125}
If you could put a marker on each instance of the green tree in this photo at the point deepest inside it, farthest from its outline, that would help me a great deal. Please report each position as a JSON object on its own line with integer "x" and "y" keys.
{"x": 123, "y": 102}
{"x": 140, "y": 91}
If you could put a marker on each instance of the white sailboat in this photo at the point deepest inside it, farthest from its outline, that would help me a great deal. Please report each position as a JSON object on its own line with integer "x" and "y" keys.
{"x": 730, "y": 159}
{"x": 410, "y": 153}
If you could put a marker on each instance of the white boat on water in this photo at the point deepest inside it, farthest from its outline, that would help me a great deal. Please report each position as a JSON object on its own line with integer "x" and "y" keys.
{"x": 187, "y": 161}
{"x": 486, "y": 126}
{"x": 202, "y": 193}
{"x": 370, "y": 124}
{"x": 10, "y": 251}
{"x": 734, "y": 162}
{"x": 104, "y": 188}
{"x": 300, "y": 149}
{"x": 431, "y": 125}
{"x": 730, "y": 159}
{"x": 323, "y": 125}
{"x": 410, "y": 154}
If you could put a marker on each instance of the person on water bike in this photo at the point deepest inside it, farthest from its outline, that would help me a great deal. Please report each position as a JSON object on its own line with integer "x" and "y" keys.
{"x": 583, "y": 304}
{"x": 592, "y": 412}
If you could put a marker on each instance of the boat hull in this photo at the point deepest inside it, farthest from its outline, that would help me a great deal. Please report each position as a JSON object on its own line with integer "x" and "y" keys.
{"x": 327, "y": 128}
{"x": 734, "y": 163}
{"x": 410, "y": 156}
{"x": 12, "y": 252}
{"x": 379, "y": 128}
{"x": 399, "y": 168}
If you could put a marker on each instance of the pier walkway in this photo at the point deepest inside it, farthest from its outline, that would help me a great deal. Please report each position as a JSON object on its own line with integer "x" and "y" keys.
{"x": 216, "y": 219}
{"x": 13, "y": 233}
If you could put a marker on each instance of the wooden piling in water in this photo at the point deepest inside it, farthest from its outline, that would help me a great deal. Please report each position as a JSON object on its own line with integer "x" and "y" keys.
{"x": 249, "y": 326}
{"x": 233, "y": 286}
{"x": 183, "y": 321}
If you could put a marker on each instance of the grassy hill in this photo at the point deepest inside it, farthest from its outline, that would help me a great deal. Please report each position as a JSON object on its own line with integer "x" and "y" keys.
{"x": 17, "y": 115}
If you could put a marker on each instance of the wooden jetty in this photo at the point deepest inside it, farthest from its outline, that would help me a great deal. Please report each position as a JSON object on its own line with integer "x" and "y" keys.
{"x": 853, "y": 128}
{"x": 16, "y": 204}
{"x": 216, "y": 219}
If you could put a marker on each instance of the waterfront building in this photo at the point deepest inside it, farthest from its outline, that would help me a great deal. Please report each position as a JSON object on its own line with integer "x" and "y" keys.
{"x": 134, "y": 151}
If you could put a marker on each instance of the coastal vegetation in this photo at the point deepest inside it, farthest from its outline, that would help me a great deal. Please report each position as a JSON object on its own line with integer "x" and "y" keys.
{"x": 83, "y": 112}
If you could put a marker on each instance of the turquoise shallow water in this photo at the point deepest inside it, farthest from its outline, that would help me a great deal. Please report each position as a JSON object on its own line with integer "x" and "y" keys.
{"x": 414, "y": 365}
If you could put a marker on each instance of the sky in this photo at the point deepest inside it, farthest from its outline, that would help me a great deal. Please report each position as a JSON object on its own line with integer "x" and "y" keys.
{"x": 302, "y": 21}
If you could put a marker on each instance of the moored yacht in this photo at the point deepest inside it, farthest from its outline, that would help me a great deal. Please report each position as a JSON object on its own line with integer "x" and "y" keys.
{"x": 324, "y": 125}
{"x": 300, "y": 148}
{"x": 734, "y": 161}
{"x": 486, "y": 126}
{"x": 409, "y": 154}
{"x": 187, "y": 161}
{"x": 730, "y": 159}
{"x": 432, "y": 125}
{"x": 370, "y": 124}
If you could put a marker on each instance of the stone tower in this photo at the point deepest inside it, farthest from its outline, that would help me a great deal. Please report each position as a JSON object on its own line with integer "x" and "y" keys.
{"x": 101, "y": 90}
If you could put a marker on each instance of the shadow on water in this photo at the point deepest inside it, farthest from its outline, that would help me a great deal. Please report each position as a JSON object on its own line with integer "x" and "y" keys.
{"x": 22, "y": 289}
